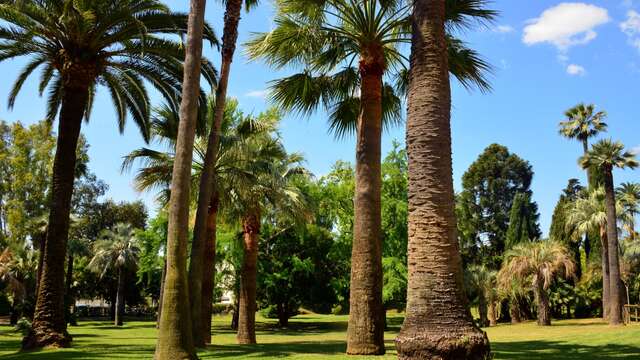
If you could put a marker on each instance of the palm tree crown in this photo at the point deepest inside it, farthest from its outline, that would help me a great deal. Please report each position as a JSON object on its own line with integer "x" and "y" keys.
{"x": 326, "y": 38}
{"x": 583, "y": 123}
{"x": 83, "y": 44}
{"x": 117, "y": 249}
{"x": 608, "y": 154}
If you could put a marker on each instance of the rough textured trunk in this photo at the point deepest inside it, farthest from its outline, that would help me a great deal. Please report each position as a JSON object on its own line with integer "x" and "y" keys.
{"x": 163, "y": 276}
{"x": 235, "y": 319}
{"x": 438, "y": 323}
{"x": 120, "y": 298}
{"x": 69, "y": 300}
{"x": 482, "y": 311}
{"x": 200, "y": 230}
{"x": 493, "y": 314}
{"x": 41, "y": 242}
{"x": 49, "y": 327}
{"x": 209, "y": 270}
{"x": 542, "y": 299}
{"x": 606, "y": 276}
{"x": 175, "y": 338}
{"x": 365, "y": 332}
{"x": 615, "y": 291}
{"x": 247, "y": 306}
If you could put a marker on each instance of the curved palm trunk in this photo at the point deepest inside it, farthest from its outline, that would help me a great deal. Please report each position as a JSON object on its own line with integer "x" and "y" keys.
{"x": 438, "y": 323}
{"x": 49, "y": 327}
{"x": 247, "y": 307}
{"x": 120, "y": 298}
{"x": 615, "y": 290}
{"x": 208, "y": 275}
{"x": 200, "y": 231}
{"x": 606, "y": 276}
{"x": 365, "y": 333}
{"x": 175, "y": 338}
{"x": 542, "y": 299}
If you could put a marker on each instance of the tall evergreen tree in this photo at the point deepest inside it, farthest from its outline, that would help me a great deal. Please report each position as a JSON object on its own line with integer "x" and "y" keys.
{"x": 523, "y": 221}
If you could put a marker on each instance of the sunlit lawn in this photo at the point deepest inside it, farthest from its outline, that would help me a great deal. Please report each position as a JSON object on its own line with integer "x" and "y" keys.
{"x": 323, "y": 336}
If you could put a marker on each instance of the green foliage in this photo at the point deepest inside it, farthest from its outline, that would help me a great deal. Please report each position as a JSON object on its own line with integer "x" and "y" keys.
{"x": 483, "y": 207}
{"x": 523, "y": 221}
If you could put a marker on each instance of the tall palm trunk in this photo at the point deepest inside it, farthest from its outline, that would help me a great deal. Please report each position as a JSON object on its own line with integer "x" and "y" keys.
{"x": 438, "y": 323}
{"x": 175, "y": 338}
{"x": 49, "y": 327}
{"x": 69, "y": 301}
{"x": 483, "y": 311}
{"x": 120, "y": 298}
{"x": 162, "y": 279}
{"x": 542, "y": 299}
{"x": 247, "y": 307}
{"x": 41, "y": 241}
{"x": 493, "y": 314}
{"x": 606, "y": 276}
{"x": 209, "y": 268}
{"x": 365, "y": 333}
{"x": 200, "y": 231}
{"x": 615, "y": 291}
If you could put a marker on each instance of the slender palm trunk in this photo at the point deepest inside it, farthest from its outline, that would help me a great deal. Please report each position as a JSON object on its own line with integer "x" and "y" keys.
{"x": 438, "y": 323}
{"x": 615, "y": 290}
{"x": 493, "y": 314}
{"x": 542, "y": 299}
{"x": 247, "y": 307}
{"x": 365, "y": 333}
{"x": 162, "y": 279}
{"x": 606, "y": 276}
{"x": 209, "y": 269}
{"x": 200, "y": 231}
{"x": 175, "y": 338}
{"x": 49, "y": 327}
{"x": 69, "y": 301}
{"x": 120, "y": 298}
{"x": 483, "y": 311}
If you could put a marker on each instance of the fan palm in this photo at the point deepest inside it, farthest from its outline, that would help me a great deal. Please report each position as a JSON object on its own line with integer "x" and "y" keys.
{"x": 117, "y": 249}
{"x": 326, "y": 38}
{"x": 80, "y": 45}
{"x": 201, "y": 333}
{"x": 17, "y": 270}
{"x": 628, "y": 194}
{"x": 230, "y": 167}
{"x": 584, "y": 215}
{"x": 437, "y": 314}
{"x": 482, "y": 282}
{"x": 272, "y": 170}
{"x": 606, "y": 155}
{"x": 583, "y": 123}
{"x": 539, "y": 262}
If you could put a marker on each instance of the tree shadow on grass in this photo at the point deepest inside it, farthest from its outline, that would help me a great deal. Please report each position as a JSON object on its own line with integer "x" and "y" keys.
{"x": 259, "y": 351}
{"x": 553, "y": 350}
{"x": 95, "y": 352}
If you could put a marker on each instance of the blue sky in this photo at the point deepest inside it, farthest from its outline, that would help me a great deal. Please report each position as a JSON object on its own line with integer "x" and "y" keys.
{"x": 547, "y": 55}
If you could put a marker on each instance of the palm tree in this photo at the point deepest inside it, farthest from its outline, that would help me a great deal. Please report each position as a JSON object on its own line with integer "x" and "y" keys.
{"x": 175, "y": 337}
{"x": 202, "y": 255}
{"x": 629, "y": 197}
{"x": 437, "y": 315}
{"x": 80, "y": 45}
{"x": 17, "y": 270}
{"x": 586, "y": 214}
{"x": 583, "y": 123}
{"x": 272, "y": 170}
{"x": 326, "y": 38}
{"x": 231, "y": 166}
{"x": 118, "y": 250}
{"x": 605, "y": 155}
{"x": 539, "y": 262}
{"x": 483, "y": 282}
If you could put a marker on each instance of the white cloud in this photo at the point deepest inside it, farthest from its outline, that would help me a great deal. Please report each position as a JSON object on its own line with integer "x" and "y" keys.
{"x": 257, "y": 94}
{"x": 503, "y": 29}
{"x": 631, "y": 27}
{"x": 566, "y": 25}
{"x": 575, "y": 70}
{"x": 636, "y": 150}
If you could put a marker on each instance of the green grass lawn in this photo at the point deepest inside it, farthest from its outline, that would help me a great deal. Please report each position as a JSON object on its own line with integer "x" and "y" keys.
{"x": 323, "y": 336}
